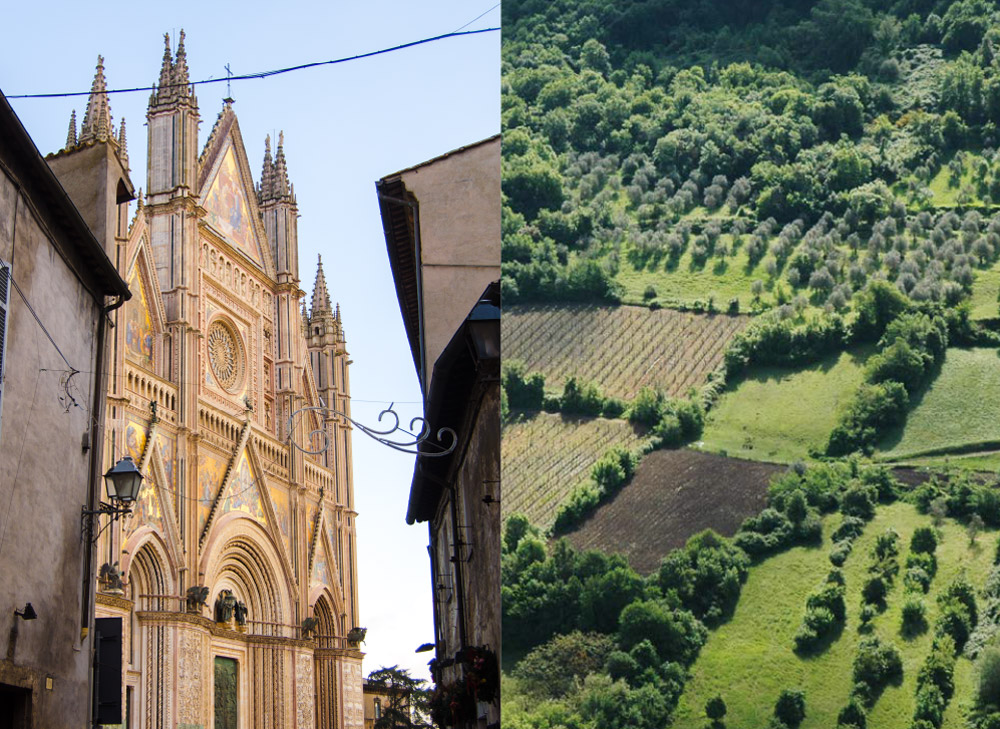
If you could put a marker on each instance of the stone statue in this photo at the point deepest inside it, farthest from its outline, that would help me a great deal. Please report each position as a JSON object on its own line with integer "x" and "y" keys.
{"x": 240, "y": 611}
{"x": 310, "y": 626}
{"x": 111, "y": 579}
{"x": 224, "y": 605}
{"x": 197, "y": 598}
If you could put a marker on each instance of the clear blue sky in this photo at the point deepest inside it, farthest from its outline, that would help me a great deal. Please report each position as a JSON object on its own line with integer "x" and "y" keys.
{"x": 345, "y": 127}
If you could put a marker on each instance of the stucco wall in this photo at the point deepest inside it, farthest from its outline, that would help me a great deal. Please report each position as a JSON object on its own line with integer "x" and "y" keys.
{"x": 43, "y": 467}
{"x": 459, "y": 198}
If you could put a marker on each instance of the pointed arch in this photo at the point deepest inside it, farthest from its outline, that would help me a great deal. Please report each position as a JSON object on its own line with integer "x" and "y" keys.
{"x": 241, "y": 556}
{"x": 146, "y": 560}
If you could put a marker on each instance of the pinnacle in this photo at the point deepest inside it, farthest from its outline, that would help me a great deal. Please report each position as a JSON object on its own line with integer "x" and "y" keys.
{"x": 320, "y": 297}
{"x": 122, "y": 144}
{"x": 97, "y": 119}
{"x": 165, "y": 69}
{"x": 180, "y": 69}
{"x": 267, "y": 173}
{"x": 280, "y": 169}
{"x": 71, "y": 134}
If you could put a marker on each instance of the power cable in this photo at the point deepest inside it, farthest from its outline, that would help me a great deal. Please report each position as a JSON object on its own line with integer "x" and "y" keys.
{"x": 265, "y": 74}
{"x": 476, "y": 18}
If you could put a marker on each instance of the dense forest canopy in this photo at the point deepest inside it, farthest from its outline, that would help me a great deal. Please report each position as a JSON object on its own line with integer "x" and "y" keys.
{"x": 814, "y": 133}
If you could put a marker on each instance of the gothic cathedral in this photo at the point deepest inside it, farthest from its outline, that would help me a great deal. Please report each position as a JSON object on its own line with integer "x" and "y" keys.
{"x": 235, "y": 575}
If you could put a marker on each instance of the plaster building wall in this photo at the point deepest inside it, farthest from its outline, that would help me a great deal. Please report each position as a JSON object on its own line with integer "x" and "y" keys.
{"x": 48, "y": 428}
{"x": 239, "y": 535}
{"x": 459, "y": 201}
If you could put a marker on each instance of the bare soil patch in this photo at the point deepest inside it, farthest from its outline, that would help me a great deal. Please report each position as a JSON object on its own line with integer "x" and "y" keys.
{"x": 674, "y": 495}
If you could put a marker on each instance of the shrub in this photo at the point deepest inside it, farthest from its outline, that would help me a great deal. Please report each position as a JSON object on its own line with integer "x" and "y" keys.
{"x": 954, "y": 621}
{"x": 706, "y": 575}
{"x": 840, "y": 552}
{"x": 791, "y": 707}
{"x": 524, "y": 391}
{"x": 930, "y": 705}
{"x": 876, "y": 663}
{"x": 676, "y": 634}
{"x": 988, "y": 677}
{"x": 620, "y": 665}
{"x": 853, "y": 715}
{"x": 874, "y": 591}
{"x": 914, "y": 615}
{"x": 581, "y": 398}
{"x": 715, "y": 708}
{"x": 647, "y": 407}
{"x": 551, "y": 668}
{"x": 859, "y": 502}
{"x": 924, "y": 540}
{"x": 850, "y": 528}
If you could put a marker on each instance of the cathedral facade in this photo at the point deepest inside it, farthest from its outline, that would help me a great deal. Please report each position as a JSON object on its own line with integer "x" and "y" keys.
{"x": 235, "y": 576}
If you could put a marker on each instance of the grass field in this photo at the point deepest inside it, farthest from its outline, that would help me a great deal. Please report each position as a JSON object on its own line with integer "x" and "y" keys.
{"x": 749, "y": 660}
{"x": 688, "y": 283}
{"x": 544, "y": 457}
{"x": 978, "y": 462}
{"x": 776, "y": 414}
{"x": 961, "y": 406}
{"x": 984, "y": 293}
{"x": 620, "y": 348}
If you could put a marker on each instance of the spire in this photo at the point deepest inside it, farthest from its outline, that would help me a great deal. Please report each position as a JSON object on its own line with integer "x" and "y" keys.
{"x": 139, "y": 202}
{"x": 267, "y": 174}
{"x": 280, "y": 170}
{"x": 180, "y": 69}
{"x": 122, "y": 145}
{"x": 97, "y": 120}
{"x": 165, "y": 73}
{"x": 71, "y": 134}
{"x": 321, "y": 297}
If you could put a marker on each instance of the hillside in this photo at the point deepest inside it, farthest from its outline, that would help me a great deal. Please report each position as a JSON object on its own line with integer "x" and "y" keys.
{"x": 762, "y": 629}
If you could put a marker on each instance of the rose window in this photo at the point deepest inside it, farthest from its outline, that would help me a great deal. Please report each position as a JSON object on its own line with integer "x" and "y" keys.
{"x": 224, "y": 355}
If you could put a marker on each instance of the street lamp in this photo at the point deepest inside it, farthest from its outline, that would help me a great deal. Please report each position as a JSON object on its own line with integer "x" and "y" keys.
{"x": 483, "y": 330}
{"x": 123, "y": 482}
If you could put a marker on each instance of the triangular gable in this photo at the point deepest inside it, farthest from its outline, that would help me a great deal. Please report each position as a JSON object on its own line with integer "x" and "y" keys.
{"x": 323, "y": 563}
{"x": 143, "y": 314}
{"x": 211, "y": 470}
{"x": 228, "y": 207}
{"x": 244, "y": 491}
{"x": 155, "y": 506}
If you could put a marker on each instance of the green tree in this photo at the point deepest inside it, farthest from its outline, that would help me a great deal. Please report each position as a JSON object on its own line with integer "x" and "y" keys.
{"x": 406, "y": 698}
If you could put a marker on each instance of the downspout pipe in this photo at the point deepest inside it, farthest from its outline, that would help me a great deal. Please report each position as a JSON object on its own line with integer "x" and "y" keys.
{"x": 96, "y": 452}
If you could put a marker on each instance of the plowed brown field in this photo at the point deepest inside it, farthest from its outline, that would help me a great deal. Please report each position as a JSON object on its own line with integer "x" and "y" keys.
{"x": 620, "y": 348}
{"x": 674, "y": 495}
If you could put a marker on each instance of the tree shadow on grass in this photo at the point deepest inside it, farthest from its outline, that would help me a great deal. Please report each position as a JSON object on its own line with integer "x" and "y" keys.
{"x": 894, "y": 435}
{"x": 821, "y": 646}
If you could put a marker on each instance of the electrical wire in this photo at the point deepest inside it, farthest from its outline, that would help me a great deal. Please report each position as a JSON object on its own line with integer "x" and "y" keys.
{"x": 267, "y": 74}
{"x": 476, "y": 18}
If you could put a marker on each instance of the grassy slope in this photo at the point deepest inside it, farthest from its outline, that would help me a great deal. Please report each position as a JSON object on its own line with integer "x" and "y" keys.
{"x": 685, "y": 283}
{"x": 544, "y": 457}
{"x": 960, "y": 406}
{"x": 782, "y": 413}
{"x": 759, "y": 636}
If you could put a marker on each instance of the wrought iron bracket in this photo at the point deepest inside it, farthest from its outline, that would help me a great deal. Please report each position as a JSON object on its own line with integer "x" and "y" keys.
{"x": 396, "y": 437}
{"x": 88, "y": 517}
